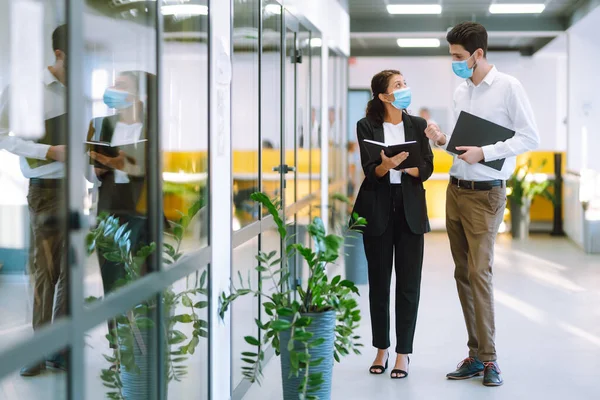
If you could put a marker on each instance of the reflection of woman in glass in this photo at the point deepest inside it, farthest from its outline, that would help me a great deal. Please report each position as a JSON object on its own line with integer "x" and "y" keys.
{"x": 121, "y": 167}
{"x": 393, "y": 203}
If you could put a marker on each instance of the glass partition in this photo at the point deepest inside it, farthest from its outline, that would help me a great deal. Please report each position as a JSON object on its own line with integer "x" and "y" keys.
{"x": 34, "y": 275}
{"x": 245, "y": 110}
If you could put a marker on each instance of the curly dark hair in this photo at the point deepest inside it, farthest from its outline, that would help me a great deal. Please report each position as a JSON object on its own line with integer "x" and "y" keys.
{"x": 379, "y": 84}
{"x": 470, "y": 35}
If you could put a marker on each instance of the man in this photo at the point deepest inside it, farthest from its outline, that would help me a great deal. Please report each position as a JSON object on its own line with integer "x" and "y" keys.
{"x": 42, "y": 162}
{"x": 476, "y": 195}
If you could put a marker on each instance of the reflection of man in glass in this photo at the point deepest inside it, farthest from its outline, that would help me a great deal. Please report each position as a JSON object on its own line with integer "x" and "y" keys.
{"x": 315, "y": 133}
{"x": 42, "y": 162}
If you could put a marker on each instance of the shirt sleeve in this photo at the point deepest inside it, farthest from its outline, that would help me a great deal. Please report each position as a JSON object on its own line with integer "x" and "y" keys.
{"x": 14, "y": 144}
{"x": 448, "y": 134}
{"x": 526, "y": 132}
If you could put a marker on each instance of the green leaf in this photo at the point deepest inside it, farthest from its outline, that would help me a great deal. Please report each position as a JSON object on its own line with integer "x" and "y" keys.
{"x": 285, "y": 312}
{"x": 186, "y": 301}
{"x": 144, "y": 323}
{"x": 177, "y": 337}
{"x": 178, "y": 232}
{"x": 170, "y": 250}
{"x": 113, "y": 256}
{"x": 252, "y": 340}
{"x": 280, "y": 325}
{"x": 201, "y": 304}
{"x": 193, "y": 344}
{"x": 316, "y": 342}
{"x": 185, "y": 318}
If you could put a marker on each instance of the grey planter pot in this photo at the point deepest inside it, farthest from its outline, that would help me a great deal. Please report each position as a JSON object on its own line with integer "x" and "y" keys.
{"x": 355, "y": 260}
{"x": 322, "y": 326}
{"x": 519, "y": 219}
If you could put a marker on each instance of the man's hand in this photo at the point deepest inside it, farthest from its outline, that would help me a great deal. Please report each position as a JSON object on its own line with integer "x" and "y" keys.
{"x": 111, "y": 162}
{"x": 434, "y": 134}
{"x": 471, "y": 155}
{"x": 57, "y": 153}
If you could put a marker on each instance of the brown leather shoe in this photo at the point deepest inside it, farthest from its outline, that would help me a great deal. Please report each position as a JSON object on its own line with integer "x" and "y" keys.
{"x": 33, "y": 370}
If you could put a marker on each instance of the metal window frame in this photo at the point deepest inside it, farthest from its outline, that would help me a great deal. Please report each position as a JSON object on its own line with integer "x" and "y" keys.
{"x": 69, "y": 332}
{"x": 267, "y": 223}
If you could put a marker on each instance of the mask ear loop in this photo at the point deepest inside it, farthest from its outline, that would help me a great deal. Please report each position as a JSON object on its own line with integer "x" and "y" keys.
{"x": 475, "y": 64}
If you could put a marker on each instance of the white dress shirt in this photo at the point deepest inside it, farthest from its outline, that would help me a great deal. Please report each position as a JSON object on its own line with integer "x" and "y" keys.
{"x": 125, "y": 134}
{"x": 499, "y": 98}
{"x": 394, "y": 134}
{"x": 55, "y": 104}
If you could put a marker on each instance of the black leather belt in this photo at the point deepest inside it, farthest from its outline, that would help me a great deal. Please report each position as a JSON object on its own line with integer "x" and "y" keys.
{"x": 477, "y": 185}
{"x": 46, "y": 183}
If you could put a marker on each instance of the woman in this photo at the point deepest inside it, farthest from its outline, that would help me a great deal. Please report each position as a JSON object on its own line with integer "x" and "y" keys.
{"x": 122, "y": 175}
{"x": 393, "y": 203}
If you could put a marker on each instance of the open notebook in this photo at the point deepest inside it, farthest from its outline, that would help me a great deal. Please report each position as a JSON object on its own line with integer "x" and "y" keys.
{"x": 414, "y": 153}
{"x": 135, "y": 152}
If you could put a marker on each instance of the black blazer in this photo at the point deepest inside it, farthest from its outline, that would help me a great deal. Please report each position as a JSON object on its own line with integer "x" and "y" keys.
{"x": 115, "y": 198}
{"x": 374, "y": 197}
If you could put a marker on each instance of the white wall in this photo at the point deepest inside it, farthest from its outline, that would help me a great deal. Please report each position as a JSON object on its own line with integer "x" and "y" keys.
{"x": 433, "y": 82}
{"x": 584, "y": 95}
{"x": 583, "y": 123}
{"x": 430, "y": 78}
{"x": 329, "y": 17}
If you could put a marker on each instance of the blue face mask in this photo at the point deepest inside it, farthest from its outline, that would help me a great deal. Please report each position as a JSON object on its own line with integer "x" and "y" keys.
{"x": 114, "y": 98}
{"x": 402, "y": 98}
{"x": 461, "y": 68}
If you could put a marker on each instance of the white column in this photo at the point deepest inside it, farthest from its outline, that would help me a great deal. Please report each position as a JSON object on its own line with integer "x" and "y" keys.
{"x": 220, "y": 194}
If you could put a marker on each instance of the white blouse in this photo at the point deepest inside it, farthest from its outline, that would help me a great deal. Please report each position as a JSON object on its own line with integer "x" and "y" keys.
{"x": 125, "y": 134}
{"x": 394, "y": 134}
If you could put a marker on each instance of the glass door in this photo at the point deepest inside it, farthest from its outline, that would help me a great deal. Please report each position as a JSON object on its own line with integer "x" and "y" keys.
{"x": 288, "y": 167}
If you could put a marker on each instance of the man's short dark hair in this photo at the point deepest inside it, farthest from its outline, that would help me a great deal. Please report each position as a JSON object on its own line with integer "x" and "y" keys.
{"x": 470, "y": 35}
{"x": 59, "y": 38}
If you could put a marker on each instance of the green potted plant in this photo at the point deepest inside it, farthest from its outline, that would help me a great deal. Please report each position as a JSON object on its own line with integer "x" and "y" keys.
{"x": 131, "y": 367}
{"x": 308, "y": 326}
{"x": 524, "y": 186}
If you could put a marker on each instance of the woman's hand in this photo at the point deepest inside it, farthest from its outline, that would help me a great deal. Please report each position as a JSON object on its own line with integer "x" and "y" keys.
{"x": 117, "y": 162}
{"x": 388, "y": 163}
{"x": 414, "y": 172}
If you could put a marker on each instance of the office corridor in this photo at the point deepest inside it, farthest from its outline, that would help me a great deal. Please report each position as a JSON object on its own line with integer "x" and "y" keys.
{"x": 548, "y": 331}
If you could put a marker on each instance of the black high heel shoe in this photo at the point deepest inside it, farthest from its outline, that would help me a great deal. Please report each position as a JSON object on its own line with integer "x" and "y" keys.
{"x": 380, "y": 369}
{"x": 399, "y": 373}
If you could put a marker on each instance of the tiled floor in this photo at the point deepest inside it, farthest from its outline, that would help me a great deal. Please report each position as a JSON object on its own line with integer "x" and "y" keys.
{"x": 548, "y": 331}
{"x": 548, "y": 322}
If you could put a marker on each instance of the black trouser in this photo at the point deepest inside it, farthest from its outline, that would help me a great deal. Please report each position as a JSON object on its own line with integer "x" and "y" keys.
{"x": 113, "y": 272}
{"x": 408, "y": 249}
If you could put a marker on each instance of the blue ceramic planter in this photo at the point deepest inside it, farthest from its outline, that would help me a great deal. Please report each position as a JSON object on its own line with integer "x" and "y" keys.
{"x": 137, "y": 385}
{"x": 322, "y": 326}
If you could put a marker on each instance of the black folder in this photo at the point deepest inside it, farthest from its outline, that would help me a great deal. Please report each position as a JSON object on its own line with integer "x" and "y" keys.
{"x": 414, "y": 153}
{"x": 471, "y": 130}
{"x": 135, "y": 152}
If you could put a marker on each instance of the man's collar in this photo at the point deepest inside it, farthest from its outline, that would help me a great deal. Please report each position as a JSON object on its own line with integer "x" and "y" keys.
{"x": 49, "y": 78}
{"x": 489, "y": 77}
